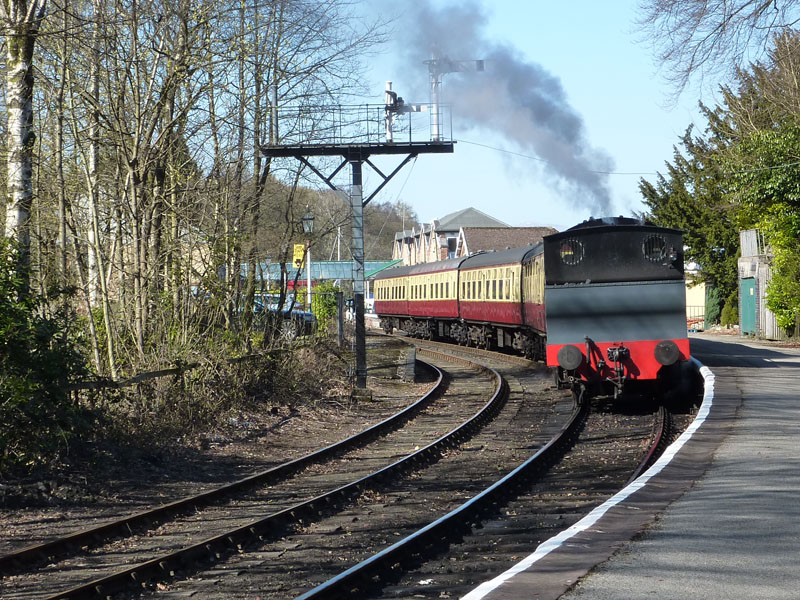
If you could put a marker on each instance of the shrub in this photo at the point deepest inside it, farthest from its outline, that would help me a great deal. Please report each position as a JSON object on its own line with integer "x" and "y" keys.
{"x": 323, "y": 304}
{"x": 39, "y": 357}
{"x": 713, "y": 306}
{"x": 730, "y": 312}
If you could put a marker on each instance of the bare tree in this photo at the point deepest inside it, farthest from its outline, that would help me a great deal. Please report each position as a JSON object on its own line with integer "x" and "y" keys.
{"x": 699, "y": 37}
{"x": 149, "y": 174}
{"x": 20, "y": 21}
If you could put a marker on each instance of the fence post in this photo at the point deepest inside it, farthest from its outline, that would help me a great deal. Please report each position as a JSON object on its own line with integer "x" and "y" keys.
{"x": 340, "y": 319}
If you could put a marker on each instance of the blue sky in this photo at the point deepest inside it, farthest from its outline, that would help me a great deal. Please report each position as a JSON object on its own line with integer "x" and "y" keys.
{"x": 592, "y": 54}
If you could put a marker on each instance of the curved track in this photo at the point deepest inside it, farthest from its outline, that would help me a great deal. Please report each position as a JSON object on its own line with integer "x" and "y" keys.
{"x": 524, "y": 461}
{"x": 167, "y": 545}
{"x": 151, "y": 518}
{"x": 582, "y": 465}
{"x": 321, "y": 550}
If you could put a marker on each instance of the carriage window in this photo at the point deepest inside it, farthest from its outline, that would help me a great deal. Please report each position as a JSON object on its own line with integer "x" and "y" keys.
{"x": 500, "y": 289}
{"x": 494, "y": 289}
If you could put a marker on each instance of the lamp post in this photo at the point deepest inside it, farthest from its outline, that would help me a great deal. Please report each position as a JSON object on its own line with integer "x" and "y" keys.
{"x": 308, "y": 229}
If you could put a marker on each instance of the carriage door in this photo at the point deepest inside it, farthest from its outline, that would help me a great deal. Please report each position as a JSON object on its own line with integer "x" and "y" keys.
{"x": 748, "y": 295}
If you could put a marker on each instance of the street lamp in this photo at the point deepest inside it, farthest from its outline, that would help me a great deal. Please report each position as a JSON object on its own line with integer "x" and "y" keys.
{"x": 308, "y": 221}
{"x": 308, "y": 229}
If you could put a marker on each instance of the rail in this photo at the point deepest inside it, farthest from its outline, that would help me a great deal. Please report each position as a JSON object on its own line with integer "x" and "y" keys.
{"x": 124, "y": 527}
{"x": 212, "y": 549}
{"x": 358, "y": 579}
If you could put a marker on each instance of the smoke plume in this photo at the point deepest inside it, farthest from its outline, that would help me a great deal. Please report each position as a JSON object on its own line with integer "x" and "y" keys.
{"x": 513, "y": 97}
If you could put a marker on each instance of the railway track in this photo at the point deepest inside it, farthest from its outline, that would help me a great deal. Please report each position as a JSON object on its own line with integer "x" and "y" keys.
{"x": 478, "y": 540}
{"x": 292, "y": 565}
{"x": 393, "y": 523}
{"x": 289, "y": 507}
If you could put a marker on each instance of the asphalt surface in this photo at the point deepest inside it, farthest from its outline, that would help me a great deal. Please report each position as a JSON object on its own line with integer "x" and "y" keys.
{"x": 717, "y": 518}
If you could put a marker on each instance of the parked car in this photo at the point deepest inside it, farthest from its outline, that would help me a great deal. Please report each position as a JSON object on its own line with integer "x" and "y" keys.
{"x": 296, "y": 322}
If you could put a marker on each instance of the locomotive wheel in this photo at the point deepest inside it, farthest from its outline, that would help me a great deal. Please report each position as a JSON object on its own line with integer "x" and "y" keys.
{"x": 560, "y": 377}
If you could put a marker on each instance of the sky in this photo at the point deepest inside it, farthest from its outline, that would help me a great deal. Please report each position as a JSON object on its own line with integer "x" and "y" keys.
{"x": 570, "y": 113}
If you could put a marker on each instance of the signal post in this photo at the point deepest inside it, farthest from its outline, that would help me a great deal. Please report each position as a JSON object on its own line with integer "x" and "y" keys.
{"x": 355, "y": 140}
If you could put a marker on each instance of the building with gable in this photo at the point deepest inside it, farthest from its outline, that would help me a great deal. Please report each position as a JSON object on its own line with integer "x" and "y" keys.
{"x": 461, "y": 233}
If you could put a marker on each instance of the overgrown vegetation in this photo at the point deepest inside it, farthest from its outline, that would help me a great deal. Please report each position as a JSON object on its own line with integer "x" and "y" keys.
{"x": 40, "y": 357}
{"x": 214, "y": 394}
{"x": 742, "y": 173}
{"x": 151, "y": 200}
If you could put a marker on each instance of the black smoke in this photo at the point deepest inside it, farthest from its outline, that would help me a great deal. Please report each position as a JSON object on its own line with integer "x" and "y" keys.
{"x": 514, "y": 97}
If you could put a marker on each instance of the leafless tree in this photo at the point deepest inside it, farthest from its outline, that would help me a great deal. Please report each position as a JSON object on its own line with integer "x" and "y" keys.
{"x": 20, "y": 21}
{"x": 148, "y": 172}
{"x": 705, "y": 37}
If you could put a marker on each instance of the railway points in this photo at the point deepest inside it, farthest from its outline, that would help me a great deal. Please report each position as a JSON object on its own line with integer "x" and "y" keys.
{"x": 718, "y": 519}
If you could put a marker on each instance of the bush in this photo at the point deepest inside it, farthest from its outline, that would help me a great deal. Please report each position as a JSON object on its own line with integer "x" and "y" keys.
{"x": 39, "y": 357}
{"x": 730, "y": 312}
{"x": 713, "y": 306}
{"x": 323, "y": 304}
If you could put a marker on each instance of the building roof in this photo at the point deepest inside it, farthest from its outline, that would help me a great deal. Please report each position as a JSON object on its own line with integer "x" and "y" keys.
{"x": 486, "y": 239}
{"x": 388, "y": 265}
{"x": 320, "y": 270}
{"x": 468, "y": 217}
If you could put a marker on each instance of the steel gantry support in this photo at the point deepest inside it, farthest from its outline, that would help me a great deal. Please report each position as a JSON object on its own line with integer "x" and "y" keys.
{"x": 356, "y": 155}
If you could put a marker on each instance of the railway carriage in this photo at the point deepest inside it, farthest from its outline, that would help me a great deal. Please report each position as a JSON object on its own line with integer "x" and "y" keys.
{"x": 491, "y": 307}
{"x": 603, "y": 303}
{"x": 428, "y": 297}
{"x": 391, "y": 292}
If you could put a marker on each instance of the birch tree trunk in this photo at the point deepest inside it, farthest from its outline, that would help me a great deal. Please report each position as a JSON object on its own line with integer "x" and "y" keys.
{"x": 20, "y": 21}
{"x": 62, "y": 186}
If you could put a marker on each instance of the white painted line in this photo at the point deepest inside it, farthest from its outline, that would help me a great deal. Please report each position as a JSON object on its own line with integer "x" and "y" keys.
{"x": 593, "y": 517}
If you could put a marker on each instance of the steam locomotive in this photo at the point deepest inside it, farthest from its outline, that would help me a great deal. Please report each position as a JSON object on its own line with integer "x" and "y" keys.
{"x": 602, "y": 302}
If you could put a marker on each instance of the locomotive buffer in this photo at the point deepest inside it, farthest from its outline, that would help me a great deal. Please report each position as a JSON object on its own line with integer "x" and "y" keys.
{"x": 355, "y": 134}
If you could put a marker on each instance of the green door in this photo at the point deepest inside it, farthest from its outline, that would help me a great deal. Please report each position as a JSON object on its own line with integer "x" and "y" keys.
{"x": 748, "y": 295}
